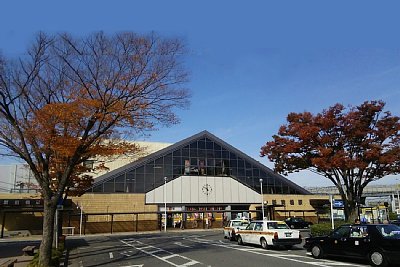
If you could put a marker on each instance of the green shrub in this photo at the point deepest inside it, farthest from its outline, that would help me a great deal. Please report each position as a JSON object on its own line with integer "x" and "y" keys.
{"x": 392, "y": 216}
{"x": 321, "y": 229}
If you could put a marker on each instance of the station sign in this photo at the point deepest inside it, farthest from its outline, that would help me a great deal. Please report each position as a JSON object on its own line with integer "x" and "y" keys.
{"x": 338, "y": 203}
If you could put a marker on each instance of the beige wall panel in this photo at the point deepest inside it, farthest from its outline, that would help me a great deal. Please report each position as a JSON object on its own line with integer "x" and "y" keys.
{"x": 219, "y": 190}
{"x": 186, "y": 191}
{"x": 177, "y": 191}
{"x": 227, "y": 188}
{"x": 194, "y": 189}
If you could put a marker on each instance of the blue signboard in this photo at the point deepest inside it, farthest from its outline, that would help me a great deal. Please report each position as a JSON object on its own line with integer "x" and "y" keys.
{"x": 338, "y": 203}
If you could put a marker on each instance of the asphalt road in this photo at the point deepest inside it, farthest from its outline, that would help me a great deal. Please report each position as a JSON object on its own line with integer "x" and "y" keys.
{"x": 13, "y": 248}
{"x": 201, "y": 248}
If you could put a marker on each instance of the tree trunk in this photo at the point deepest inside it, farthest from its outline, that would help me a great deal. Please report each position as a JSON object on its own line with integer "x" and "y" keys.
{"x": 351, "y": 211}
{"x": 48, "y": 233}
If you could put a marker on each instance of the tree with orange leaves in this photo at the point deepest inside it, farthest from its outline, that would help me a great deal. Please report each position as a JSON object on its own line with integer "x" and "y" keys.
{"x": 71, "y": 99}
{"x": 351, "y": 147}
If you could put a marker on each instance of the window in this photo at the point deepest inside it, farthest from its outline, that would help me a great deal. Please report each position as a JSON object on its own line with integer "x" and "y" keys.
{"x": 258, "y": 227}
{"x": 358, "y": 231}
{"x": 300, "y": 202}
{"x": 341, "y": 232}
{"x": 283, "y": 202}
{"x": 250, "y": 226}
{"x": 274, "y": 202}
{"x": 277, "y": 225}
{"x": 292, "y": 202}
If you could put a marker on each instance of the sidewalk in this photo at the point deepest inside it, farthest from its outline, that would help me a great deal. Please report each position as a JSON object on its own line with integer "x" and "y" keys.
{"x": 19, "y": 261}
{"x": 21, "y": 239}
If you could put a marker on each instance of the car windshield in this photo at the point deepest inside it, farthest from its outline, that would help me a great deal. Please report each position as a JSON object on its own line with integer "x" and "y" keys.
{"x": 240, "y": 223}
{"x": 389, "y": 231}
{"x": 277, "y": 225}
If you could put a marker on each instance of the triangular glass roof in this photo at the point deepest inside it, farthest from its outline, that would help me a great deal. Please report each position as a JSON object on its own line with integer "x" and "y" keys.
{"x": 202, "y": 154}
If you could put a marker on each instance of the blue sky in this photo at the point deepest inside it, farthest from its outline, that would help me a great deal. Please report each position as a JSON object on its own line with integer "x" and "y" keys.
{"x": 251, "y": 62}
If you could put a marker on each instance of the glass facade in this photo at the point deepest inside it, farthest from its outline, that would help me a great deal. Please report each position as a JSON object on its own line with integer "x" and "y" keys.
{"x": 199, "y": 157}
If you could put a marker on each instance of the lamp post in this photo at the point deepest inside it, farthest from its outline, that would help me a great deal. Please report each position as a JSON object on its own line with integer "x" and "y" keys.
{"x": 165, "y": 204}
{"x": 81, "y": 219}
{"x": 398, "y": 201}
{"x": 262, "y": 199}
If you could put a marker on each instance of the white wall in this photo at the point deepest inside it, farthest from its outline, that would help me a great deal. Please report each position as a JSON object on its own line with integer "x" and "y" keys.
{"x": 192, "y": 189}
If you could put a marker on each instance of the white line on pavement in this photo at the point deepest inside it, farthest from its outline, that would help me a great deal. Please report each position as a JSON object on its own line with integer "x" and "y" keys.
{"x": 111, "y": 255}
{"x": 182, "y": 245}
{"x": 279, "y": 255}
{"x": 142, "y": 247}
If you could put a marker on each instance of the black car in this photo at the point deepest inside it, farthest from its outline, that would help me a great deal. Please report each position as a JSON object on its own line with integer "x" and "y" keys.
{"x": 378, "y": 243}
{"x": 396, "y": 222}
{"x": 297, "y": 223}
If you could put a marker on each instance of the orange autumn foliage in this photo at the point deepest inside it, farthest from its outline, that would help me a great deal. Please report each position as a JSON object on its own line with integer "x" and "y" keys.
{"x": 351, "y": 147}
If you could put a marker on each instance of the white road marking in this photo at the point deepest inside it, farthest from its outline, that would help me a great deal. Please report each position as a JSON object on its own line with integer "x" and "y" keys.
{"x": 306, "y": 259}
{"x": 142, "y": 247}
{"x": 111, "y": 255}
{"x": 181, "y": 245}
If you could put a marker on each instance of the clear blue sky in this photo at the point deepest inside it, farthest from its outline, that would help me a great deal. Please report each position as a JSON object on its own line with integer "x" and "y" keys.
{"x": 251, "y": 62}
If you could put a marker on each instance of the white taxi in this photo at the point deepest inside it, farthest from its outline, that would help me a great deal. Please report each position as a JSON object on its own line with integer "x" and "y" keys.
{"x": 233, "y": 226}
{"x": 269, "y": 233}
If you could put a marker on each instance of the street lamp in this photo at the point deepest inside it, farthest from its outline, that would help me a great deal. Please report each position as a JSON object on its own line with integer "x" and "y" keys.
{"x": 262, "y": 198}
{"x": 165, "y": 203}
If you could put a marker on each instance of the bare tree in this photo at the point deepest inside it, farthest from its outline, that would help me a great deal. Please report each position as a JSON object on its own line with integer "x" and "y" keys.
{"x": 71, "y": 99}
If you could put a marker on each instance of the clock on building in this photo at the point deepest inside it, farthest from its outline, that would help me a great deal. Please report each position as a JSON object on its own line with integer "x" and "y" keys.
{"x": 207, "y": 189}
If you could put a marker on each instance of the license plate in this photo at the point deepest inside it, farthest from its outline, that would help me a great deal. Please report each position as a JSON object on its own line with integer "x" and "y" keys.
{"x": 288, "y": 234}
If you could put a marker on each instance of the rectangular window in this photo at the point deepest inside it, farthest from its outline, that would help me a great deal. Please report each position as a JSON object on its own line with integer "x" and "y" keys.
{"x": 300, "y": 202}
{"x": 292, "y": 202}
{"x": 283, "y": 202}
{"x": 274, "y": 202}
{"x": 120, "y": 188}
{"x": 109, "y": 187}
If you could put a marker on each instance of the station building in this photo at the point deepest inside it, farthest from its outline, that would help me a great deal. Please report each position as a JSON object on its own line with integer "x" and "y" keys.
{"x": 202, "y": 181}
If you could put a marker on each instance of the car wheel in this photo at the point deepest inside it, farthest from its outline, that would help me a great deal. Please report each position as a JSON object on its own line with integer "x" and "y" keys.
{"x": 240, "y": 241}
{"x": 264, "y": 243}
{"x": 377, "y": 258}
{"x": 317, "y": 252}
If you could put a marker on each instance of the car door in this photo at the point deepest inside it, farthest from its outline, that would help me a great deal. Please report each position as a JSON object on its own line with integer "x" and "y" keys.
{"x": 337, "y": 242}
{"x": 358, "y": 242}
{"x": 247, "y": 233}
{"x": 257, "y": 232}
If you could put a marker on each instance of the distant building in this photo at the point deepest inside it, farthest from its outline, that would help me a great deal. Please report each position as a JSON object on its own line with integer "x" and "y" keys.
{"x": 200, "y": 179}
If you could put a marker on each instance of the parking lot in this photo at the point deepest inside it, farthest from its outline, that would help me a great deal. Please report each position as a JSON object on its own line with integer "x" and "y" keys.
{"x": 186, "y": 248}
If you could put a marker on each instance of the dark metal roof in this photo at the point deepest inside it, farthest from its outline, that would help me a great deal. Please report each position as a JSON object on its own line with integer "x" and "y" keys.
{"x": 185, "y": 142}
